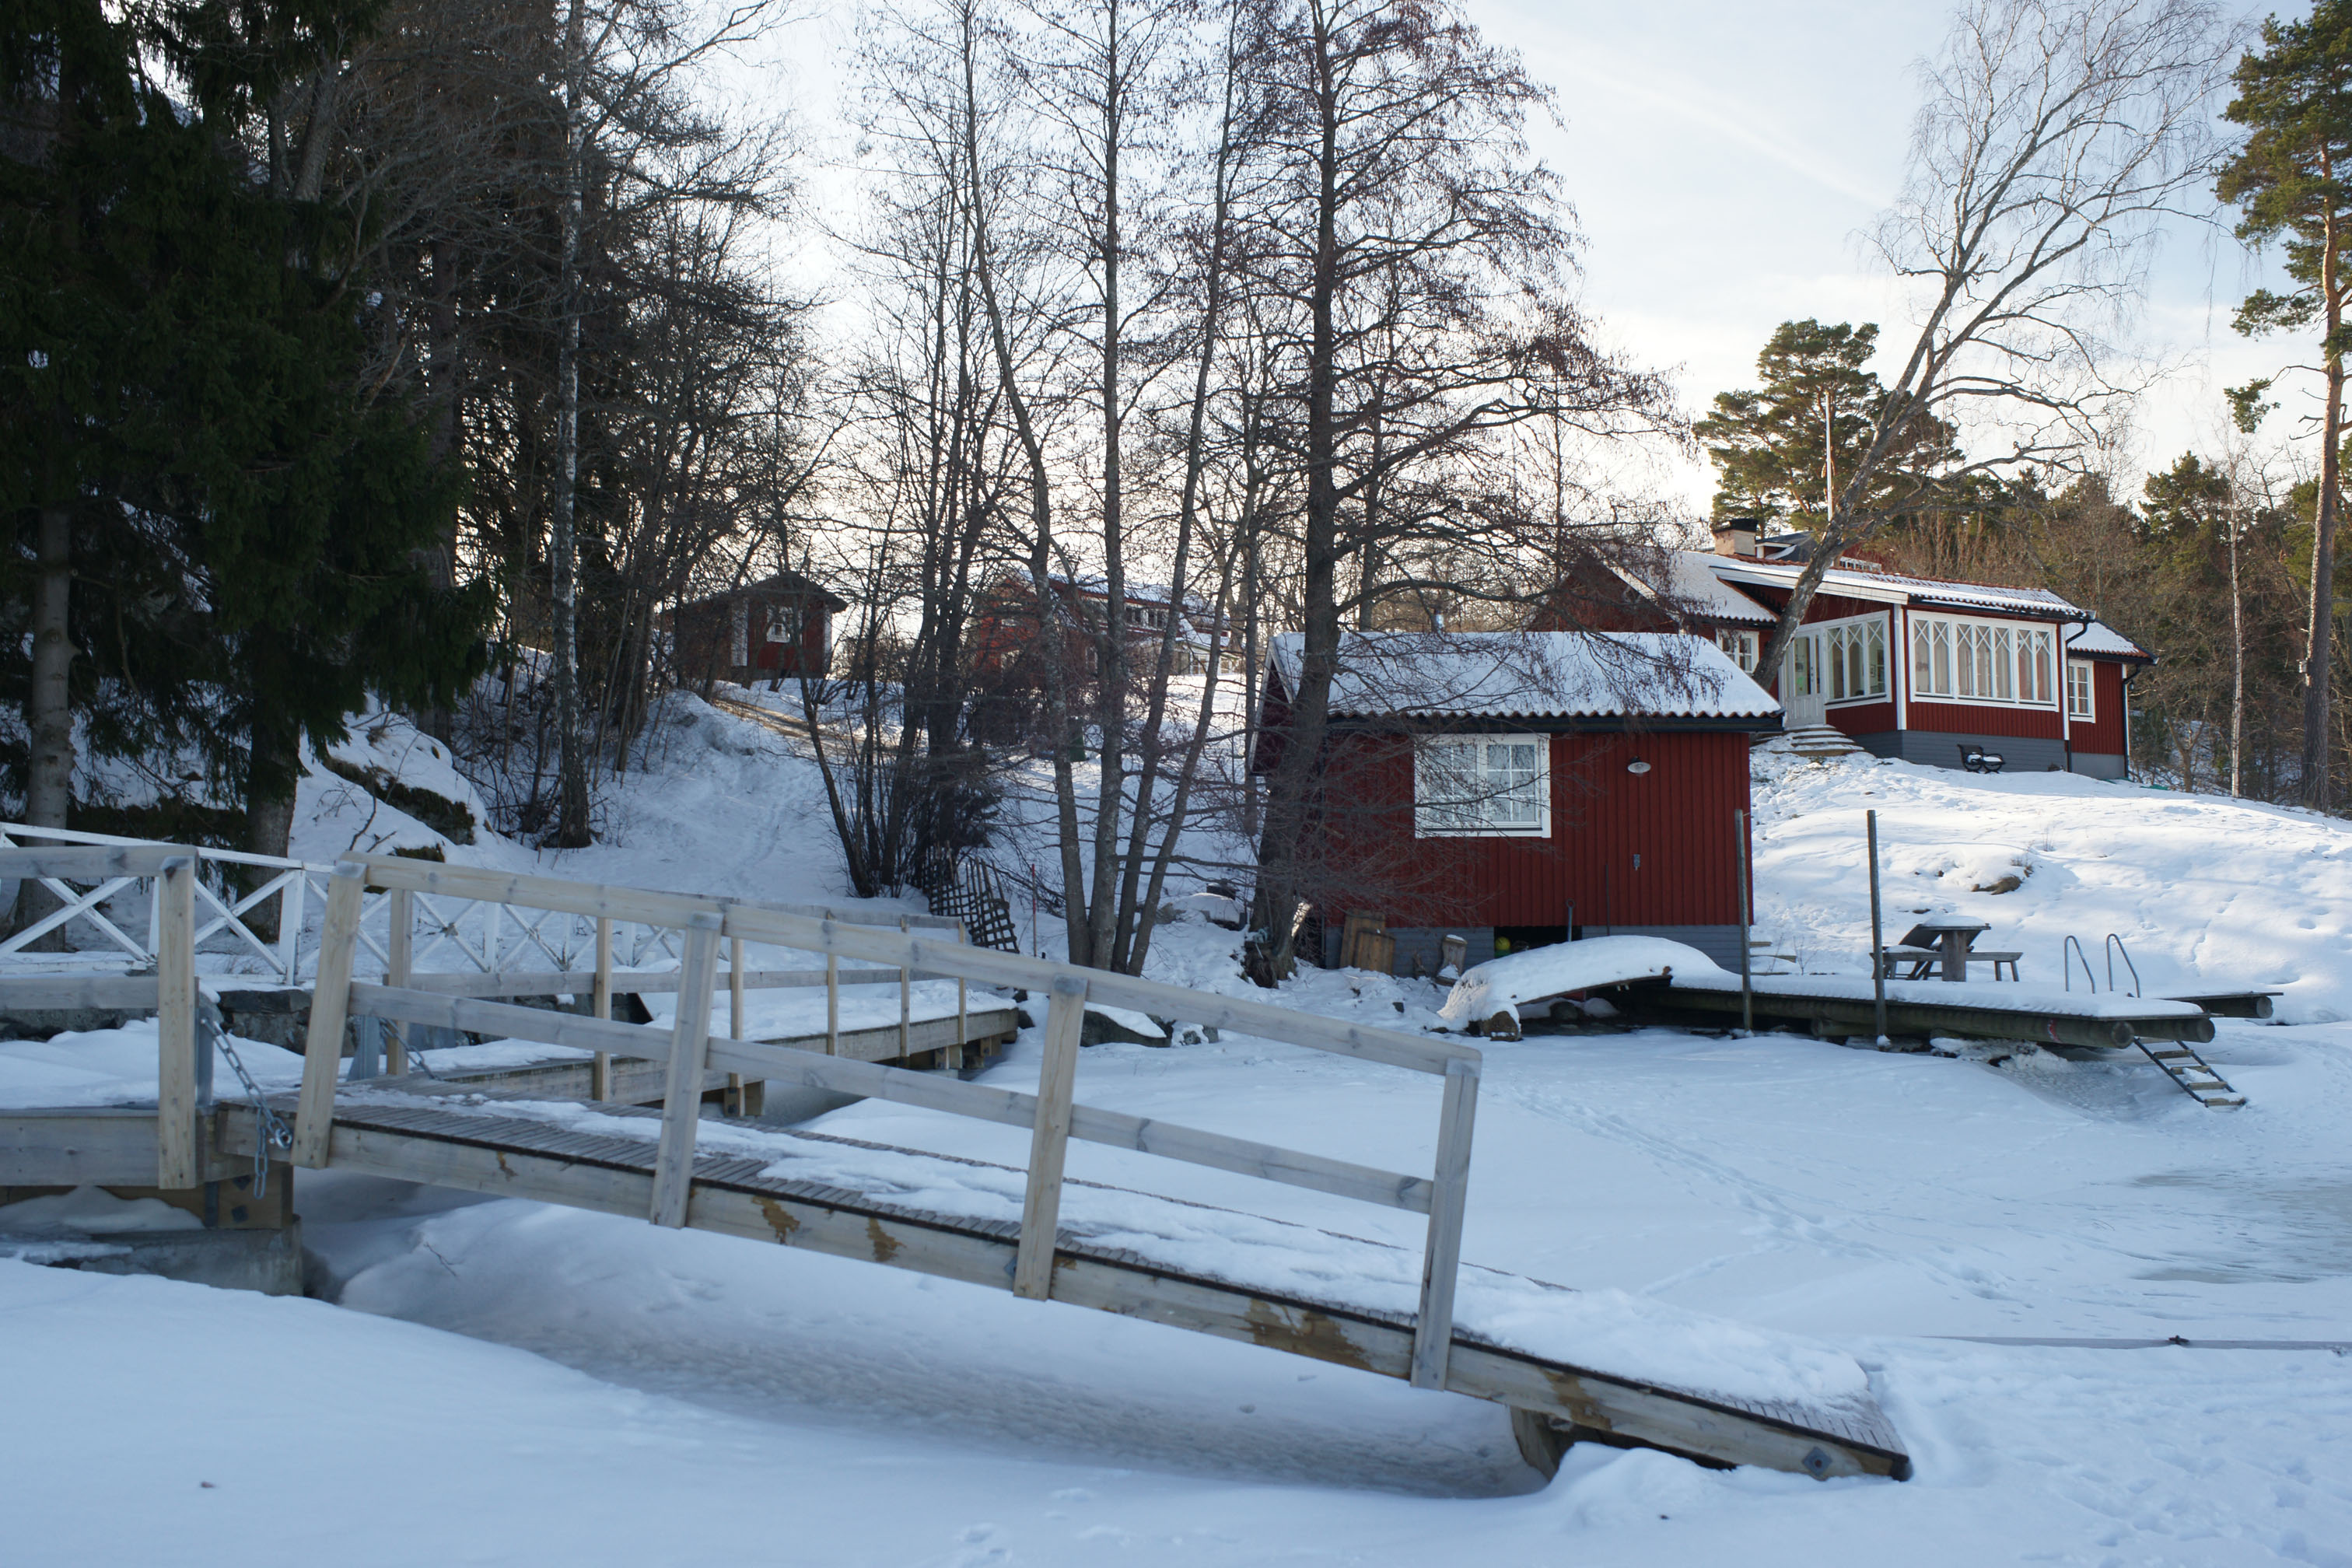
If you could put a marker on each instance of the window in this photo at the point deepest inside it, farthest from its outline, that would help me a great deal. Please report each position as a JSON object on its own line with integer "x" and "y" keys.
{"x": 2078, "y": 689}
{"x": 1857, "y": 659}
{"x": 1137, "y": 616}
{"x": 1982, "y": 661}
{"x": 783, "y": 622}
{"x": 1740, "y": 645}
{"x": 1805, "y": 667}
{"x": 1473, "y": 785}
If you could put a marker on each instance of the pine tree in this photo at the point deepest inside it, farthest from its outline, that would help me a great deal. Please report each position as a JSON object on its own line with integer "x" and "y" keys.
{"x": 2292, "y": 181}
{"x": 1780, "y": 449}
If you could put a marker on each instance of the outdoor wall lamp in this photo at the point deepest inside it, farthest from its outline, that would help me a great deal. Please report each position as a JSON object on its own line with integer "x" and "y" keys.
{"x": 1637, "y": 766}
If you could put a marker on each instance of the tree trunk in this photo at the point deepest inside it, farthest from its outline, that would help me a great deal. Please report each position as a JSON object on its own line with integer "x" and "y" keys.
{"x": 563, "y": 546}
{"x": 48, "y": 707}
{"x": 268, "y": 815}
{"x": 2237, "y": 668}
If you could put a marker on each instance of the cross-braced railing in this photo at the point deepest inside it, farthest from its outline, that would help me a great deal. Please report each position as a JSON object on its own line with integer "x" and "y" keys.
{"x": 691, "y": 1052}
{"x": 112, "y": 923}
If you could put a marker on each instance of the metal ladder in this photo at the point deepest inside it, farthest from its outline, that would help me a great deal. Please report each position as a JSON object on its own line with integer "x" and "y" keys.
{"x": 2183, "y": 1065}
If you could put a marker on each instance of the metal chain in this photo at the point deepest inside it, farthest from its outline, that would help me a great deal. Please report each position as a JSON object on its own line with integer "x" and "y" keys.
{"x": 269, "y": 1129}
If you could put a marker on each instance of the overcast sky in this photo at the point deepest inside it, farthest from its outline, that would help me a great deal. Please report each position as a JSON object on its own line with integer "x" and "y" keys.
{"x": 1725, "y": 158}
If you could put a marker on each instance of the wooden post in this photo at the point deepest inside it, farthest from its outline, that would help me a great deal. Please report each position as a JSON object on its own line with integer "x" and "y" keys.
{"x": 178, "y": 1155}
{"x": 689, "y": 1051}
{"x": 600, "y": 1069}
{"x": 400, "y": 906}
{"x": 1049, "y": 1140}
{"x": 963, "y": 1028}
{"x": 291, "y": 900}
{"x": 832, "y": 1003}
{"x": 906, "y": 1001}
{"x": 734, "y": 1104}
{"x": 1441, "y": 1257}
{"x": 322, "y": 1051}
{"x": 1747, "y": 991}
{"x": 1877, "y": 935}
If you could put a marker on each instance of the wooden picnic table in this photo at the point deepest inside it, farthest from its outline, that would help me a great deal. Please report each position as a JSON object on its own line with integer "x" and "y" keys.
{"x": 1946, "y": 944}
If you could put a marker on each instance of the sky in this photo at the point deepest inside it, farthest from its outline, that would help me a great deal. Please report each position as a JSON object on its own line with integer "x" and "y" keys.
{"x": 1726, "y": 159}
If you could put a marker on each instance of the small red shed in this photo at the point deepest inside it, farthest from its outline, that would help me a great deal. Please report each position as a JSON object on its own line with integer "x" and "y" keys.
{"x": 781, "y": 626}
{"x": 1532, "y": 786}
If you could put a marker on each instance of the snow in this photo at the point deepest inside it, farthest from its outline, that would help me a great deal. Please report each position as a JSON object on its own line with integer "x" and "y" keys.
{"x": 116, "y": 1066}
{"x": 92, "y": 1211}
{"x": 505, "y": 1381}
{"x": 1530, "y": 975}
{"x": 1533, "y": 675}
{"x": 2009, "y": 997}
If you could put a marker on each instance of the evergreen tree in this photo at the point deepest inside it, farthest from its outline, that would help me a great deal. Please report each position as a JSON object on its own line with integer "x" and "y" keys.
{"x": 222, "y": 508}
{"x": 1780, "y": 450}
{"x": 2292, "y": 180}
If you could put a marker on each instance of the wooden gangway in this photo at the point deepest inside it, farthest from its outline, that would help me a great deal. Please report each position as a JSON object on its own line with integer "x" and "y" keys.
{"x": 1426, "y": 1318}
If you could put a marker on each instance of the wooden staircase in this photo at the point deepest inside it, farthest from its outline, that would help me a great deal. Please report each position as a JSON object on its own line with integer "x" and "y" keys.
{"x": 2195, "y": 1076}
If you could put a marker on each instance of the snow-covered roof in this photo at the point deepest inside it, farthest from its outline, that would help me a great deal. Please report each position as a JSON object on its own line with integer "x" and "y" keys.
{"x": 1689, "y": 584}
{"x": 1894, "y": 587}
{"x": 2102, "y": 640}
{"x": 1532, "y": 674}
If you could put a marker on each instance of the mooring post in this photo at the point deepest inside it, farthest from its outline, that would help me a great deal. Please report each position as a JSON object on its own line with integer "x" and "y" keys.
{"x": 1877, "y": 939}
{"x": 1747, "y": 992}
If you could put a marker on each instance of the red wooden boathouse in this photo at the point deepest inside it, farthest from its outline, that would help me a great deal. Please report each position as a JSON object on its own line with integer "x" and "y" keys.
{"x": 1534, "y": 787}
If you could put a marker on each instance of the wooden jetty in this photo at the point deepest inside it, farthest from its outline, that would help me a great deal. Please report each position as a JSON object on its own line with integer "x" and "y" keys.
{"x": 652, "y": 1166}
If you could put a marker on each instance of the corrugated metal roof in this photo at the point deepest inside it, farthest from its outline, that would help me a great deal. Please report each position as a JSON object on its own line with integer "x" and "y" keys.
{"x": 1690, "y": 585}
{"x": 2102, "y": 639}
{"x": 2039, "y": 603}
{"x": 1532, "y": 674}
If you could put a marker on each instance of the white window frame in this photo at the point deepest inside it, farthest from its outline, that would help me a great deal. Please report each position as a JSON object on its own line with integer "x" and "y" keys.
{"x": 2088, "y": 712}
{"x": 1839, "y": 638}
{"x": 784, "y": 624}
{"x": 1951, "y": 657}
{"x": 1742, "y": 644}
{"x": 1448, "y": 804}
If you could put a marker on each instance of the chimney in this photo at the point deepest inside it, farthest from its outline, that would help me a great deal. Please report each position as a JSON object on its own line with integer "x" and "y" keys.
{"x": 1737, "y": 537}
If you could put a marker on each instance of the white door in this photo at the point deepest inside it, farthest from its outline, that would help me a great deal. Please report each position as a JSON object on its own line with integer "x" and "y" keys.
{"x": 1802, "y": 697}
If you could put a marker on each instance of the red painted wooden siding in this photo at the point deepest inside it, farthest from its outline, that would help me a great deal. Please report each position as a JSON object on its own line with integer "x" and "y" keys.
{"x": 1863, "y": 718}
{"x": 1678, "y": 817}
{"x": 1979, "y": 719}
{"x": 2105, "y": 733}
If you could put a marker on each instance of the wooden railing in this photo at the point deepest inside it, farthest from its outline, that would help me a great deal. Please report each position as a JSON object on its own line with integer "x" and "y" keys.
{"x": 689, "y": 1052}
{"x": 419, "y": 935}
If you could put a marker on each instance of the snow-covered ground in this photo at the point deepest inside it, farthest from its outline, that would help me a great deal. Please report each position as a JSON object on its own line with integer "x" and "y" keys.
{"x": 508, "y": 1383}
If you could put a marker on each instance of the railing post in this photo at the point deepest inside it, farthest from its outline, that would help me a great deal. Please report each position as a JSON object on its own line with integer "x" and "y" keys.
{"x": 689, "y": 1051}
{"x": 1049, "y": 1142}
{"x": 1441, "y": 1259}
{"x": 293, "y": 903}
{"x": 399, "y": 962}
{"x": 906, "y": 1004}
{"x": 963, "y": 1026}
{"x": 330, "y": 1000}
{"x": 600, "y": 1069}
{"x": 832, "y": 1002}
{"x": 178, "y": 1157}
{"x": 734, "y": 1020}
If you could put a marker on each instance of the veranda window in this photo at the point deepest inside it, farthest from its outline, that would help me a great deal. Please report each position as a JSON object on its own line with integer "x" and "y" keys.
{"x": 1857, "y": 659}
{"x": 1482, "y": 785}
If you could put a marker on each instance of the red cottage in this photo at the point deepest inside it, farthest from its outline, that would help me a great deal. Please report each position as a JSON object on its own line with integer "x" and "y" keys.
{"x": 781, "y": 626}
{"x": 1530, "y": 786}
{"x": 1921, "y": 668}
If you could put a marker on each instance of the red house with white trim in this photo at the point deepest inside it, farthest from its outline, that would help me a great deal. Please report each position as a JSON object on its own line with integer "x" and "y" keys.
{"x": 1917, "y": 667}
{"x": 1528, "y": 785}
